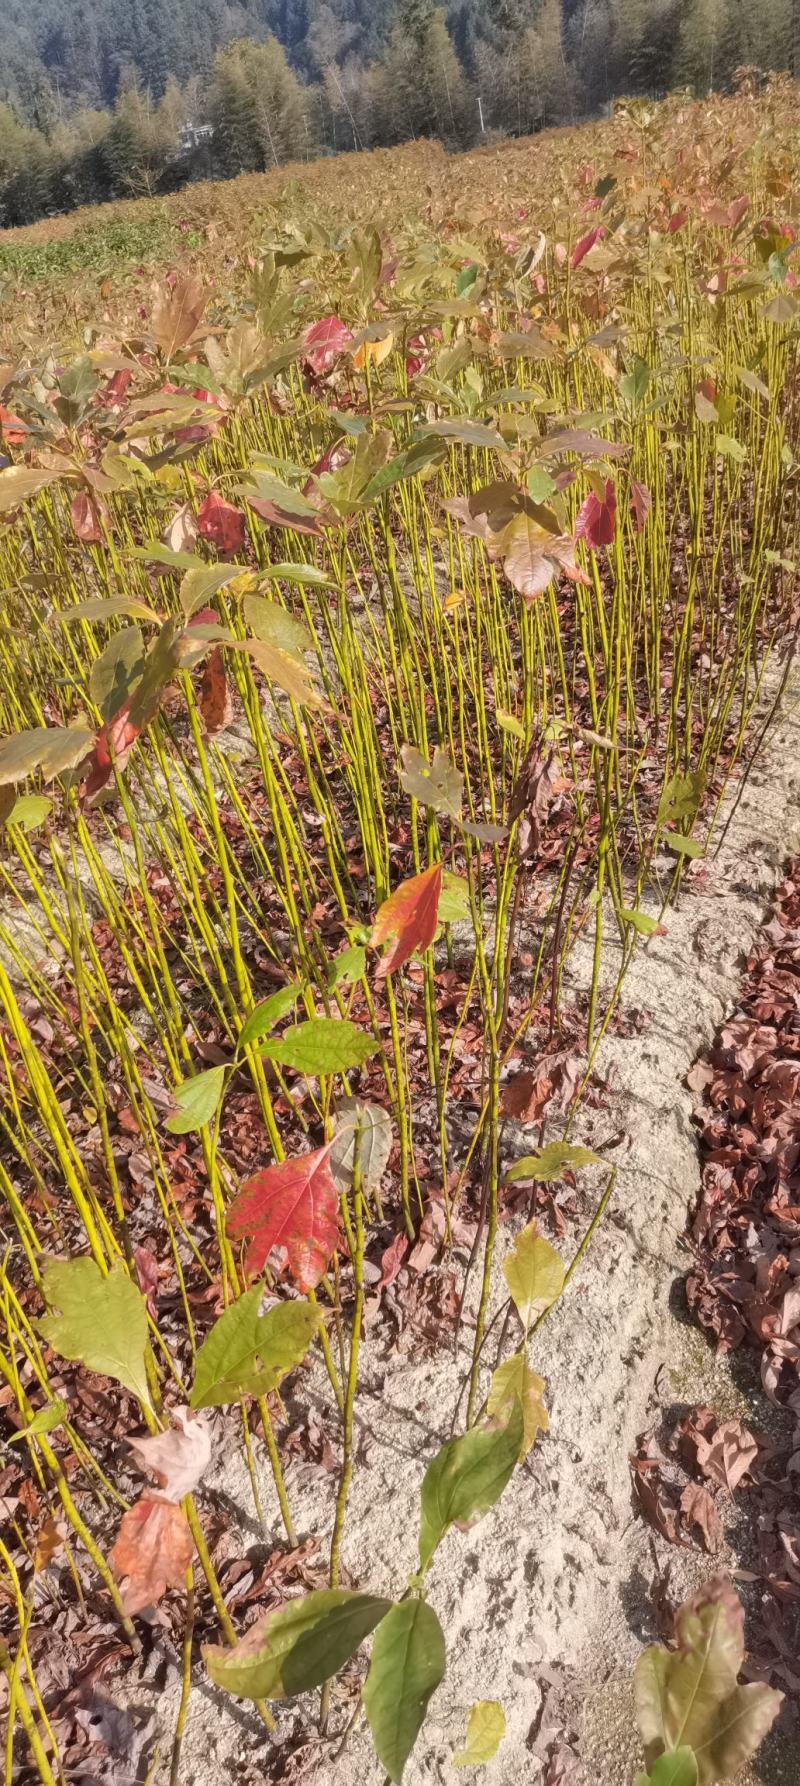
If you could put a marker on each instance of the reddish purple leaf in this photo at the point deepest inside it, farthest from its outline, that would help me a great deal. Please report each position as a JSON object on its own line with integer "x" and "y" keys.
{"x": 221, "y": 523}
{"x": 586, "y": 242}
{"x": 597, "y": 520}
{"x": 293, "y": 1205}
{"x": 324, "y": 341}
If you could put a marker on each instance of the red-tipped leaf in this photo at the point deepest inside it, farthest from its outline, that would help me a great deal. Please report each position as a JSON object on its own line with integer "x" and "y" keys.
{"x": 409, "y": 916}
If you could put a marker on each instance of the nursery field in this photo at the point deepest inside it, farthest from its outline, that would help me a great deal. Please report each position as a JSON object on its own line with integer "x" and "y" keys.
{"x": 398, "y": 613}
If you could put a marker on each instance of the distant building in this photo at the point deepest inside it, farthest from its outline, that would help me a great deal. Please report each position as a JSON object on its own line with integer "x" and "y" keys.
{"x": 192, "y": 136}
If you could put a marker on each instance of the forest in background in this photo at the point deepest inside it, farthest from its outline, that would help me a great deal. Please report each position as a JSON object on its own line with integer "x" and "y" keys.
{"x": 102, "y": 99}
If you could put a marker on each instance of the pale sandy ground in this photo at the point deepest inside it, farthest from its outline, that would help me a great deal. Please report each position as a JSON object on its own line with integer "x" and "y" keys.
{"x": 556, "y": 1577}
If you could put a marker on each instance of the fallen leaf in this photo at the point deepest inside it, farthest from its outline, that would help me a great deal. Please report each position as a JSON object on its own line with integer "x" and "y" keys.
{"x": 699, "y": 1510}
{"x": 152, "y": 1553}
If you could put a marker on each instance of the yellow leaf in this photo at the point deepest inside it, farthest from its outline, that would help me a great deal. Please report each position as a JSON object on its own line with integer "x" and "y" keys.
{"x": 485, "y": 1732}
{"x": 373, "y": 352}
{"x": 534, "y": 1272}
{"x": 515, "y": 1381}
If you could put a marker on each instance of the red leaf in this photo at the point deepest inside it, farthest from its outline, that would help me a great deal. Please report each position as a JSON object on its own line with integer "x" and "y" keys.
{"x": 117, "y": 388}
{"x": 392, "y": 1260}
{"x": 12, "y": 429}
{"x": 114, "y": 743}
{"x": 596, "y": 520}
{"x": 86, "y": 518}
{"x": 221, "y": 523}
{"x": 153, "y": 1551}
{"x": 641, "y": 503}
{"x": 676, "y": 222}
{"x": 410, "y": 916}
{"x": 216, "y": 706}
{"x": 294, "y": 1205}
{"x": 586, "y": 242}
{"x": 324, "y": 341}
{"x": 146, "y": 1267}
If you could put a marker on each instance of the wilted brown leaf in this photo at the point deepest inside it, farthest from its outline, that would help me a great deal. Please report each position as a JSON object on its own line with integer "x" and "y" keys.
{"x": 152, "y": 1553}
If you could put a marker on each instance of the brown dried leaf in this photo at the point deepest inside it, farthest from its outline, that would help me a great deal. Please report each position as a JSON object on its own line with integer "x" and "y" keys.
{"x": 152, "y": 1553}
{"x": 699, "y": 1510}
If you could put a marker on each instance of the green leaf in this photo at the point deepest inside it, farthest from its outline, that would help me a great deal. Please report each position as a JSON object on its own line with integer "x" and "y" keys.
{"x": 50, "y": 749}
{"x": 465, "y": 430}
{"x": 197, "y": 587}
{"x": 197, "y": 1100}
{"x": 286, "y": 672}
{"x": 268, "y": 488}
{"x": 267, "y": 1014}
{"x": 534, "y": 1272}
{"x": 247, "y": 1353}
{"x": 513, "y": 1380}
{"x": 782, "y": 308}
{"x": 438, "y": 784}
{"x": 731, "y": 449}
{"x": 466, "y": 1478}
{"x": 300, "y": 573}
{"x": 374, "y": 1146}
{"x": 681, "y": 798}
{"x": 346, "y": 488}
{"x": 508, "y": 722}
{"x": 454, "y": 903}
{"x": 485, "y": 1732}
{"x": 29, "y": 811}
{"x": 155, "y": 552}
{"x": 297, "y": 1648}
{"x": 115, "y": 673}
{"x": 678, "y": 1768}
{"x": 634, "y": 385}
{"x": 408, "y": 1662}
{"x": 77, "y": 387}
{"x": 45, "y": 1421}
{"x": 417, "y": 458}
{"x": 19, "y": 482}
{"x": 101, "y": 1321}
{"x": 322, "y": 1045}
{"x": 683, "y": 846}
{"x": 540, "y": 484}
{"x": 276, "y": 626}
{"x": 107, "y": 607}
{"x": 641, "y": 921}
{"x": 347, "y": 967}
{"x": 160, "y": 665}
{"x": 549, "y": 1164}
